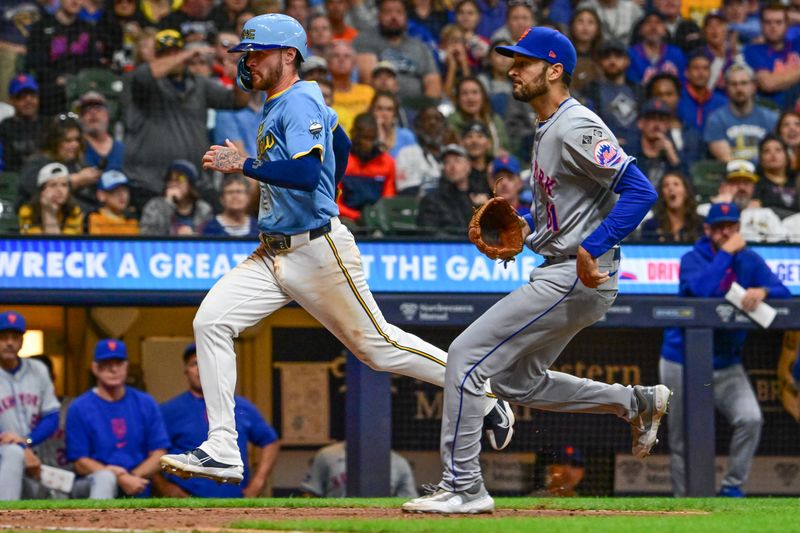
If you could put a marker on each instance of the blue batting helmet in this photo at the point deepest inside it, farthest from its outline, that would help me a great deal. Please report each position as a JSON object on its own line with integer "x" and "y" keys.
{"x": 268, "y": 32}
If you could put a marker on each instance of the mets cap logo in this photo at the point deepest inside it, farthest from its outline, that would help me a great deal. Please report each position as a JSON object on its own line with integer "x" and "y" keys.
{"x": 606, "y": 154}
{"x": 112, "y": 345}
{"x": 12, "y": 318}
{"x": 552, "y": 54}
{"x": 725, "y": 208}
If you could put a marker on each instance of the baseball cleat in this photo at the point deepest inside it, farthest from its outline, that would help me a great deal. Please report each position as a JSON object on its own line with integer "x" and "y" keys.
{"x": 499, "y": 425}
{"x": 653, "y": 403}
{"x": 472, "y": 501}
{"x": 198, "y": 463}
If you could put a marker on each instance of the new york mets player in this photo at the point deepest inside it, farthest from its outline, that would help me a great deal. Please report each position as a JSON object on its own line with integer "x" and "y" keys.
{"x": 306, "y": 254}
{"x": 588, "y": 196}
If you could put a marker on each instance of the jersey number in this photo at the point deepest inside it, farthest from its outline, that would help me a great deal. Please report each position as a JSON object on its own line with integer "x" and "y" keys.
{"x": 552, "y": 217}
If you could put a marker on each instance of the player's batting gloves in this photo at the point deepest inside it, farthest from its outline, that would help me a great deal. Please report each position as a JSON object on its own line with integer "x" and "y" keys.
{"x": 243, "y": 77}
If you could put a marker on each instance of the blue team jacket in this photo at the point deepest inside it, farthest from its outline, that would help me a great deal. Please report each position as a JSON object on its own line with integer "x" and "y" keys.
{"x": 705, "y": 273}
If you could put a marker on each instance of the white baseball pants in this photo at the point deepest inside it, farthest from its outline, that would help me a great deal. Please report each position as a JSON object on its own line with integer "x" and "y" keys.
{"x": 325, "y": 277}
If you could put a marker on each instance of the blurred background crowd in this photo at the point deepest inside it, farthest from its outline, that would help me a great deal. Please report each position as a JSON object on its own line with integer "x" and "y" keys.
{"x": 108, "y": 105}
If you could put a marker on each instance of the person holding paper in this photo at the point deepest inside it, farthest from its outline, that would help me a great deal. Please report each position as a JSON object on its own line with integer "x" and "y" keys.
{"x": 719, "y": 260}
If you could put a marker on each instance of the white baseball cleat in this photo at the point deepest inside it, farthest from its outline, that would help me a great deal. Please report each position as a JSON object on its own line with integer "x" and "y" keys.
{"x": 499, "y": 425}
{"x": 198, "y": 463}
{"x": 653, "y": 403}
{"x": 471, "y": 501}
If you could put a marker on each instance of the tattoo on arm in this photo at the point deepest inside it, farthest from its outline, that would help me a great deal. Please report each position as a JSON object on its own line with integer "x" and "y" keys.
{"x": 228, "y": 160}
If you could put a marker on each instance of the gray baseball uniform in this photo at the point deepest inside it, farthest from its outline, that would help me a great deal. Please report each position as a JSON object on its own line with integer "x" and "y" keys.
{"x": 576, "y": 164}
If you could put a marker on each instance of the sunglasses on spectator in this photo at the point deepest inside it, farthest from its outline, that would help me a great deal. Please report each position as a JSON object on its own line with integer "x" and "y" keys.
{"x": 63, "y": 117}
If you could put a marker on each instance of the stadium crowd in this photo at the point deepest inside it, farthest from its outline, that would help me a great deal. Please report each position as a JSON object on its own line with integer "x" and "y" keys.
{"x": 111, "y": 104}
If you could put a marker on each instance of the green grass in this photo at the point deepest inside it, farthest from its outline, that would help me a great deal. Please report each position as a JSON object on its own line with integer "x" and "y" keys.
{"x": 717, "y": 515}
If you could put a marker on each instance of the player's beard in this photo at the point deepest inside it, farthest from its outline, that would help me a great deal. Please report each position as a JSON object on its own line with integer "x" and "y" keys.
{"x": 526, "y": 93}
{"x": 270, "y": 78}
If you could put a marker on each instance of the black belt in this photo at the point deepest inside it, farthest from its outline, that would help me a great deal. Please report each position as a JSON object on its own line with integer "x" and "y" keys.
{"x": 550, "y": 260}
{"x": 278, "y": 242}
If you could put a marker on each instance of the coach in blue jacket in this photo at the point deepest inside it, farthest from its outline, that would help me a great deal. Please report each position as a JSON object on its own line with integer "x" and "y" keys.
{"x": 717, "y": 260}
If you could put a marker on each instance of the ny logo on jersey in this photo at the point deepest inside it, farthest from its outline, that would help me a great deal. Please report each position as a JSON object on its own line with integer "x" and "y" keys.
{"x": 606, "y": 154}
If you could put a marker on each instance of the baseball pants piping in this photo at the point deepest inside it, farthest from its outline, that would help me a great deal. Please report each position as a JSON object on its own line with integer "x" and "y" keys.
{"x": 735, "y": 399}
{"x": 325, "y": 277}
{"x": 514, "y": 343}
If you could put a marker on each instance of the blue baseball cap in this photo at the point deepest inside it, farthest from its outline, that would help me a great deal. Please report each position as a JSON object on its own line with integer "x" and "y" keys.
{"x": 110, "y": 349}
{"x": 189, "y": 351}
{"x": 12, "y": 321}
{"x": 722, "y": 212}
{"x": 507, "y": 162}
{"x": 185, "y": 168}
{"x": 22, "y": 82}
{"x": 111, "y": 179}
{"x": 546, "y": 44}
{"x": 655, "y": 106}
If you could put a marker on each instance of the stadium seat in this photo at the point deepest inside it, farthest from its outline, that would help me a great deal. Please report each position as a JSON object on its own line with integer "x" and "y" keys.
{"x": 96, "y": 79}
{"x": 706, "y": 175}
{"x": 392, "y": 216}
{"x": 9, "y": 181}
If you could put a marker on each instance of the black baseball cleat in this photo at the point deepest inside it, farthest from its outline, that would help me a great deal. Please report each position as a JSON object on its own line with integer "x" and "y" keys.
{"x": 198, "y": 463}
{"x": 499, "y": 425}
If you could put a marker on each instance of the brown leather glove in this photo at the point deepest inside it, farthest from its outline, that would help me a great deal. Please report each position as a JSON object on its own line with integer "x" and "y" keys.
{"x": 495, "y": 229}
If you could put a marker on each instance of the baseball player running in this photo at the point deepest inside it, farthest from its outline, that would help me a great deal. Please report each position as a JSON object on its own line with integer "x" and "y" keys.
{"x": 588, "y": 196}
{"x": 306, "y": 254}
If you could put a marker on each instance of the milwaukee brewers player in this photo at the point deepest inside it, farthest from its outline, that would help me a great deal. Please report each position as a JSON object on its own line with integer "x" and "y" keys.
{"x": 588, "y": 196}
{"x": 306, "y": 254}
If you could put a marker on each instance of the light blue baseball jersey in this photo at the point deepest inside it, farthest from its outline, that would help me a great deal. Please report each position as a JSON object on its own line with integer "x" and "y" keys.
{"x": 295, "y": 122}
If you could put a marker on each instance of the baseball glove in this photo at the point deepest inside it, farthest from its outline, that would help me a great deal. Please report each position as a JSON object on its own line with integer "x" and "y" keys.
{"x": 495, "y": 229}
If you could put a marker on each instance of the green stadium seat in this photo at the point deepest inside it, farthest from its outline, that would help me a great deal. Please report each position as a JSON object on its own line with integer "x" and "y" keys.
{"x": 706, "y": 175}
{"x": 101, "y": 80}
{"x": 392, "y": 216}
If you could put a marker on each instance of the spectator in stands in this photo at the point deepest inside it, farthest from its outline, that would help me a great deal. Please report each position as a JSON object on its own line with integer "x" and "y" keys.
{"x": 721, "y": 48}
{"x": 494, "y": 78}
{"x": 418, "y": 166}
{"x": 734, "y": 131}
{"x": 115, "y": 216}
{"x": 675, "y": 217}
{"x": 744, "y": 25}
{"x": 154, "y": 11}
{"x": 370, "y": 173}
{"x": 652, "y": 55}
{"x": 467, "y": 18}
{"x": 477, "y": 141}
{"x": 687, "y": 139}
{"x": 326, "y": 88}
{"x": 327, "y": 477}
{"x": 59, "y": 46}
{"x": 162, "y": 100}
{"x": 697, "y": 99}
{"x": 101, "y": 150}
{"x": 320, "y": 34}
{"x": 776, "y": 61}
{"x": 429, "y": 14}
{"x": 788, "y": 130}
{"x": 492, "y": 16}
{"x": 613, "y": 97}
{"x": 777, "y": 186}
{"x": 473, "y": 105}
{"x": 505, "y": 181}
{"x": 336, "y": 11}
{"x": 21, "y": 133}
{"x": 617, "y": 17}
{"x": 224, "y": 15}
{"x": 179, "y": 210}
{"x": 656, "y": 153}
{"x": 234, "y": 221}
{"x": 385, "y": 107}
{"x": 16, "y": 19}
{"x": 192, "y": 21}
{"x": 417, "y": 72}
{"x": 298, "y": 10}
{"x": 200, "y": 64}
{"x": 448, "y": 209}
{"x": 354, "y": 98}
{"x": 718, "y": 259}
{"x": 225, "y": 64}
{"x": 187, "y": 426}
{"x": 315, "y": 68}
{"x": 30, "y": 411}
{"x": 452, "y": 55}
{"x": 238, "y": 126}
{"x": 758, "y": 224}
{"x": 519, "y": 17}
{"x": 683, "y": 33}
{"x": 115, "y": 433}
{"x": 120, "y": 26}
{"x": 51, "y": 210}
{"x": 62, "y": 143}
{"x": 585, "y": 34}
